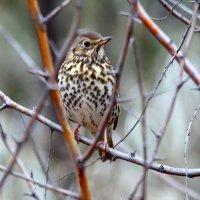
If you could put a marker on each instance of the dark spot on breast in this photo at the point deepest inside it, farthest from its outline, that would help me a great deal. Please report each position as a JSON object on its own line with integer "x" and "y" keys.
{"x": 65, "y": 95}
{"x": 70, "y": 78}
{"x": 93, "y": 76}
{"x": 101, "y": 80}
{"x": 69, "y": 68}
{"x": 109, "y": 79}
{"x": 92, "y": 83}
{"x": 80, "y": 77}
{"x": 86, "y": 72}
{"x": 96, "y": 88}
{"x": 92, "y": 95}
{"x": 86, "y": 79}
{"x": 103, "y": 102}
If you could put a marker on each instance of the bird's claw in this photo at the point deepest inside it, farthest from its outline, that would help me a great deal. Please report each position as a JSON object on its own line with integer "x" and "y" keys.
{"x": 105, "y": 148}
{"x": 76, "y": 134}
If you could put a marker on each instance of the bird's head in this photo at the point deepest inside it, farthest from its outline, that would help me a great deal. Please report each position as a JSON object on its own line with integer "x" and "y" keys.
{"x": 89, "y": 43}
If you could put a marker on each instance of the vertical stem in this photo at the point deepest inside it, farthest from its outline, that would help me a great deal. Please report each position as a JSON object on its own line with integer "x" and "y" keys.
{"x": 55, "y": 97}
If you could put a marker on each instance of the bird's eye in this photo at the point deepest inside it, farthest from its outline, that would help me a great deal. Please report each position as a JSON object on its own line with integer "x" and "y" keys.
{"x": 86, "y": 43}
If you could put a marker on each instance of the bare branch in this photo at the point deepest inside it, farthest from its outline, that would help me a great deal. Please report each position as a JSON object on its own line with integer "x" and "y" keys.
{"x": 72, "y": 34}
{"x": 117, "y": 154}
{"x": 54, "y": 12}
{"x": 167, "y": 43}
{"x": 176, "y": 14}
{"x": 19, "y": 163}
{"x": 171, "y": 10}
{"x": 143, "y": 120}
{"x": 9, "y": 103}
{"x": 177, "y": 185}
{"x": 184, "y": 8}
{"x": 19, "y": 50}
{"x": 49, "y": 187}
{"x": 24, "y": 139}
{"x": 186, "y": 146}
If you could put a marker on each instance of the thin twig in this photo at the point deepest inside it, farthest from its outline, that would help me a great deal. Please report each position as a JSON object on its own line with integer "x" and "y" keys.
{"x": 49, "y": 187}
{"x": 143, "y": 120}
{"x": 55, "y": 11}
{"x": 184, "y": 8}
{"x": 186, "y": 146}
{"x": 19, "y": 50}
{"x": 188, "y": 40}
{"x": 177, "y": 14}
{"x": 24, "y": 139}
{"x": 171, "y": 11}
{"x": 177, "y": 185}
{"x": 137, "y": 184}
{"x": 9, "y": 103}
{"x": 72, "y": 34}
{"x": 18, "y": 162}
{"x": 48, "y": 162}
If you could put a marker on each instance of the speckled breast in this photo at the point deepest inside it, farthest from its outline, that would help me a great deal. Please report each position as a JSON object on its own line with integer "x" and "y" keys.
{"x": 86, "y": 88}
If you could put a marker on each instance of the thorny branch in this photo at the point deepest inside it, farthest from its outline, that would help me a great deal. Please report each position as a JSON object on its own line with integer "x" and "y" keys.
{"x": 176, "y": 14}
{"x": 178, "y": 87}
{"x": 160, "y": 37}
{"x": 143, "y": 120}
{"x": 116, "y": 154}
{"x": 171, "y": 9}
{"x": 186, "y": 146}
{"x": 18, "y": 162}
{"x": 166, "y": 42}
{"x": 72, "y": 34}
{"x": 23, "y": 140}
{"x": 49, "y": 187}
{"x": 184, "y": 8}
{"x": 54, "y": 12}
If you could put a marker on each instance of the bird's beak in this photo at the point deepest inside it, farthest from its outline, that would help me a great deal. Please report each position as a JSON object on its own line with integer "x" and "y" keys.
{"x": 104, "y": 40}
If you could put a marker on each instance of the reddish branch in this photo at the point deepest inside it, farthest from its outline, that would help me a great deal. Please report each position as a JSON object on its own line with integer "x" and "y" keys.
{"x": 166, "y": 42}
{"x": 54, "y": 94}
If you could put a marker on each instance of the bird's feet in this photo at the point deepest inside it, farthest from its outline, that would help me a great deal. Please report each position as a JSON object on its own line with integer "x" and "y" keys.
{"x": 104, "y": 152}
{"x": 76, "y": 134}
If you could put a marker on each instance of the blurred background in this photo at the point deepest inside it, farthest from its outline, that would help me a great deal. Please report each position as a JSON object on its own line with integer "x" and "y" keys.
{"x": 107, "y": 180}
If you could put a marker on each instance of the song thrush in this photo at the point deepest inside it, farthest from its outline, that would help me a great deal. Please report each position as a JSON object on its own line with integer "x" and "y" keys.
{"x": 85, "y": 82}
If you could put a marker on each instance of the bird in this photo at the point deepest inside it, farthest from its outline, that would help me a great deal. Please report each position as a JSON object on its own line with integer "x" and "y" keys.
{"x": 85, "y": 81}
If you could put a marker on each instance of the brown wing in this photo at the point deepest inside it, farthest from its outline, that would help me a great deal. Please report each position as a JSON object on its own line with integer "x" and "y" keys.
{"x": 115, "y": 123}
{"x": 118, "y": 112}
